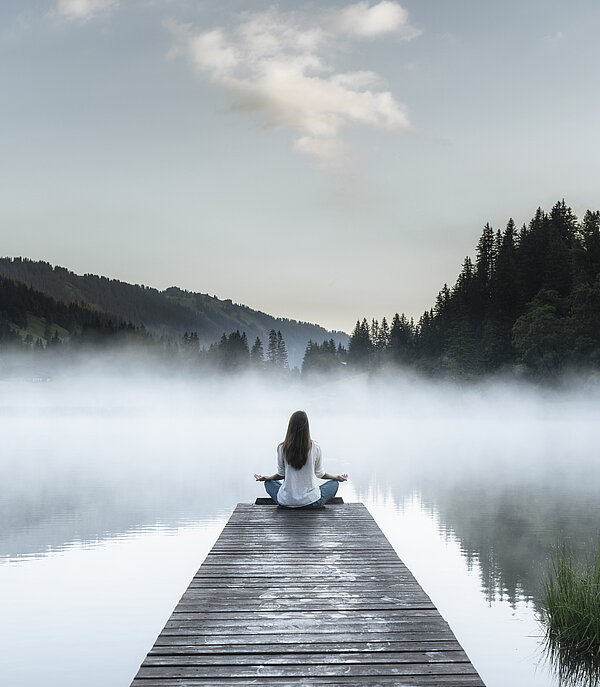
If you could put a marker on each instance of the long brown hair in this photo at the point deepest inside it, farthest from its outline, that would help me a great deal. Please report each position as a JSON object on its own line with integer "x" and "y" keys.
{"x": 297, "y": 442}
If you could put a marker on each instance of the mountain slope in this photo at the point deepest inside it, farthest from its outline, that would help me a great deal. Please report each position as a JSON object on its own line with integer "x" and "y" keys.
{"x": 28, "y": 315}
{"x": 167, "y": 313}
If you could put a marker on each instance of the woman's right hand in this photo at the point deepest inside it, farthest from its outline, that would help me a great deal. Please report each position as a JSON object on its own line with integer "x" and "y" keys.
{"x": 342, "y": 478}
{"x": 259, "y": 478}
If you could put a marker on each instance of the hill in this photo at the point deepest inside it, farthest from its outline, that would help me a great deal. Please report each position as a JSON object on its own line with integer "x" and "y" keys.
{"x": 30, "y": 317}
{"x": 169, "y": 313}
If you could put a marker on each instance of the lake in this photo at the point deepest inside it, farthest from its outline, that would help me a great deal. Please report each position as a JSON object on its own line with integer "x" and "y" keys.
{"x": 114, "y": 489}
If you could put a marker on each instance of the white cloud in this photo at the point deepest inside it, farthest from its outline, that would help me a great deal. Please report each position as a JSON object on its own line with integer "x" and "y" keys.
{"x": 276, "y": 65}
{"x": 210, "y": 52}
{"x": 371, "y": 21}
{"x": 555, "y": 38}
{"x": 82, "y": 10}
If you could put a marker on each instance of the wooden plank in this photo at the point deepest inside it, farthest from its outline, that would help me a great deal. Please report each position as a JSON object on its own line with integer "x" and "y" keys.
{"x": 301, "y": 670}
{"x": 301, "y": 605}
{"x": 225, "y": 626}
{"x": 268, "y": 501}
{"x": 363, "y": 681}
{"x": 247, "y": 659}
{"x": 295, "y": 585}
{"x": 252, "y": 596}
{"x": 213, "y": 639}
{"x": 305, "y": 596}
{"x": 315, "y": 616}
{"x": 313, "y": 647}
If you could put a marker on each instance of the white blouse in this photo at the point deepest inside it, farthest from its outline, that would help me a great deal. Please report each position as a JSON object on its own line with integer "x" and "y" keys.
{"x": 300, "y": 487}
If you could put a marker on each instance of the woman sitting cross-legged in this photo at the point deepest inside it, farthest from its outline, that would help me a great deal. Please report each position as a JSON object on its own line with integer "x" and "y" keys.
{"x": 299, "y": 466}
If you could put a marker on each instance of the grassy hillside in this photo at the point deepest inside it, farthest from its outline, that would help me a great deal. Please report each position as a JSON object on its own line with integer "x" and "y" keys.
{"x": 29, "y": 316}
{"x": 40, "y": 328}
{"x": 168, "y": 313}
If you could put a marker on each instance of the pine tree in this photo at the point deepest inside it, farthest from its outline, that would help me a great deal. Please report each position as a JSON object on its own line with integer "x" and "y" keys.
{"x": 272, "y": 349}
{"x": 322, "y": 359}
{"x": 506, "y": 282}
{"x": 360, "y": 348}
{"x": 484, "y": 263}
{"x": 374, "y": 333}
{"x": 401, "y": 339}
{"x": 384, "y": 335}
{"x": 588, "y": 256}
{"x": 257, "y": 355}
{"x": 282, "y": 356}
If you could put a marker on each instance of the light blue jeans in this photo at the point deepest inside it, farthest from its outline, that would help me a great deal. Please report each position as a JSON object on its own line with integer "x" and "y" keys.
{"x": 328, "y": 491}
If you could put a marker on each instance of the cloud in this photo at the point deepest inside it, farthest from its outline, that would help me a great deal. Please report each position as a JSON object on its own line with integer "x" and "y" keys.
{"x": 210, "y": 52}
{"x": 82, "y": 10}
{"x": 368, "y": 22}
{"x": 555, "y": 38}
{"x": 277, "y": 65}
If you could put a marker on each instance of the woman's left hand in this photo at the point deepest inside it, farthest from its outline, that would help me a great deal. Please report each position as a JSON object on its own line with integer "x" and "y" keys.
{"x": 259, "y": 478}
{"x": 342, "y": 478}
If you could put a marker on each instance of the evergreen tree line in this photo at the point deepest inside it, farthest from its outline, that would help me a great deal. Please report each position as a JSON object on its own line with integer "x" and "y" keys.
{"x": 325, "y": 358}
{"x": 63, "y": 328}
{"x": 233, "y": 353}
{"x": 529, "y": 302}
{"x": 165, "y": 313}
{"x": 82, "y": 325}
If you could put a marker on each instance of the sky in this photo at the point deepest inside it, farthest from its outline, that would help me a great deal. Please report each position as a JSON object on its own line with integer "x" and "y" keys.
{"x": 324, "y": 162}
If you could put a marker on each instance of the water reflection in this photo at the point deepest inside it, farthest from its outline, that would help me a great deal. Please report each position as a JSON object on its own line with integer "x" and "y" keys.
{"x": 511, "y": 530}
{"x": 113, "y": 494}
{"x": 572, "y": 668}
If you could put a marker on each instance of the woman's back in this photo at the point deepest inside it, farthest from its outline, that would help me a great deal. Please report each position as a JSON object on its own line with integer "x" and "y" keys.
{"x": 300, "y": 487}
{"x": 299, "y": 465}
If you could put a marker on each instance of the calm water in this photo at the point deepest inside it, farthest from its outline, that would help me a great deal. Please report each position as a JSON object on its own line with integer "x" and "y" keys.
{"x": 113, "y": 492}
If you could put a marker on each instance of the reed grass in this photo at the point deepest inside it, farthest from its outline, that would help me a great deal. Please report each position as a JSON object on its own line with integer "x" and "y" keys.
{"x": 571, "y": 615}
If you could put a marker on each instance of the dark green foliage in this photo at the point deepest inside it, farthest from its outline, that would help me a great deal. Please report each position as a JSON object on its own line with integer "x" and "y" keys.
{"x": 233, "y": 352}
{"x": 272, "y": 349}
{"x": 325, "y": 358}
{"x": 282, "y": 356}
{"x": 19, "y": 303}
{"x": 277, "y": 357}
{"x": 166, "y": 313}
{"x": 26, "y": 312}
{"x": 257, "y": 355}
{"x": 400, "y": 344}
{"x": 571, "y": 615}
{"x": 9, "y": 339}
{"x": 530, "y": 301}
{"x": 542, "y": 335}
{"x": 361, "y": 346}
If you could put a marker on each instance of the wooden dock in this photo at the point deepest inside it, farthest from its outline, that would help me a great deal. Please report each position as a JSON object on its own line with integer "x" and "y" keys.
{"x": 302, "y": 597}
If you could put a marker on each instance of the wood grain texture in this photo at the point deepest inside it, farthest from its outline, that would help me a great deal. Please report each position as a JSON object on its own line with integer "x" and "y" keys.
{"x": 305, "y": 597}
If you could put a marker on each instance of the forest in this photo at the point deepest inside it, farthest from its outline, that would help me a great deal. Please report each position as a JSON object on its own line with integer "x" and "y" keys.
{"x": 165, "y": 314}
{"x": 50, "y": 331}
{"x": 528, "y": 304}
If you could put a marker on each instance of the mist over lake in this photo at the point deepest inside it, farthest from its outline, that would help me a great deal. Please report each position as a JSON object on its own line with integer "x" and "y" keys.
{"x": 381, "y": 212}
{"x": 115, "y": 487}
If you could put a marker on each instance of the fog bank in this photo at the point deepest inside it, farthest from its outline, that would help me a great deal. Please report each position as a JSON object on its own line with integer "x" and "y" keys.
{"x": 95, "y": 453}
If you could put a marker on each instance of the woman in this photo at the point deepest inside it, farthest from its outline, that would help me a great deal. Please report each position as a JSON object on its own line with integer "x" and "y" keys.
{"x": 299, "y": 466}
